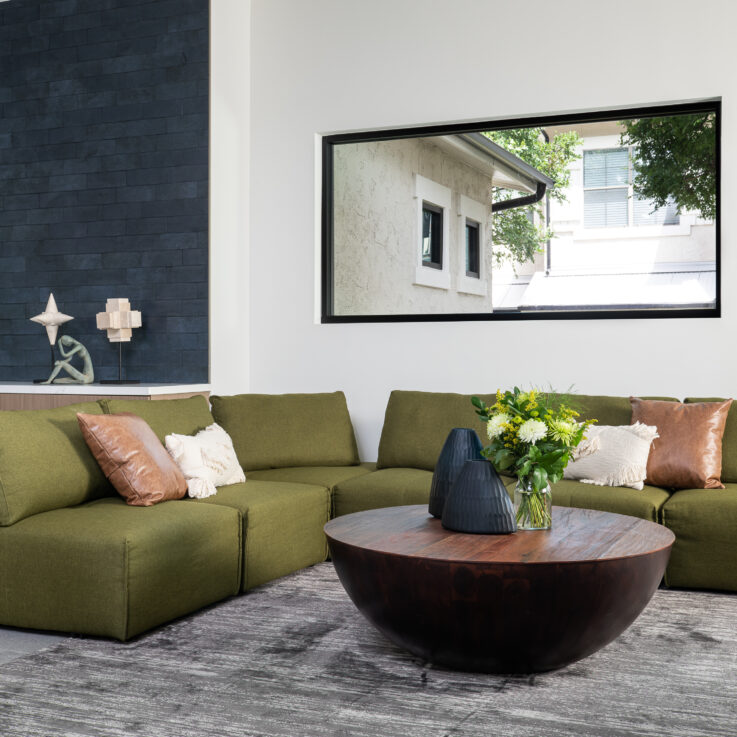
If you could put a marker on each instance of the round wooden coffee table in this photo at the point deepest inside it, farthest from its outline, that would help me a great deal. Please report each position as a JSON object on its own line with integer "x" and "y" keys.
{"x": 520, "y": 603}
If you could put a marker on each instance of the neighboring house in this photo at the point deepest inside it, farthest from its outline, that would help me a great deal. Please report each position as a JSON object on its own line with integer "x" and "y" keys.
{"x": 411, "y": 221}
{"x": 610, "y": 248}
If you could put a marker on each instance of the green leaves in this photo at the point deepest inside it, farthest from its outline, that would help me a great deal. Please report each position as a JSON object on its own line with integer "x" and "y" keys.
{"x": 516, "y": 235}
{"x": 675, "y": 160}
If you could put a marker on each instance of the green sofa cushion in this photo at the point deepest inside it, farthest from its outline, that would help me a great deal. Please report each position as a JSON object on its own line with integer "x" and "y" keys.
{"x": 285, "y": 430}
{"x": 416, "y": 425}
{"x": 704, "y": 522}
{"x": 106, "y": 568}
{"x": 45, "y": 463}
{"x": 166, "y": 416}
{"x": 390, "y": 487}
{"x": 327, "y": 476}
{"x": 607, "y": 410}
{"x": 729, "y": 439}
{"x": 282, "y": 526}
{"x": 645, "y": 504}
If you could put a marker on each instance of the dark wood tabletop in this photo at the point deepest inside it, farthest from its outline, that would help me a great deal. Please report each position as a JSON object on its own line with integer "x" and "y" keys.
{"x": 576, "y": 535}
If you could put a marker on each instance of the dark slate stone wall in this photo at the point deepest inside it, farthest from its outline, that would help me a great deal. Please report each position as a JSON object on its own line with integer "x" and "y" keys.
{"x": 103, "y": 180}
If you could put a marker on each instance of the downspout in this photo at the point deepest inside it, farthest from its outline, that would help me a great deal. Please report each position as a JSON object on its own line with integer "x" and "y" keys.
{"x": 547, "y": 216}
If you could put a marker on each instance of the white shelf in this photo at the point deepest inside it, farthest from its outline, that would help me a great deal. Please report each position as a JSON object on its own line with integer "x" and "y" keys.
{"x": 138, "y": 390}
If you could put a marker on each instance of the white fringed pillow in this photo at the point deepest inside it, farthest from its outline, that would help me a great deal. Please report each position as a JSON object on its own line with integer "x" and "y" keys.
{"x": 612, "y": 455}
{"x": 207, "y": 460}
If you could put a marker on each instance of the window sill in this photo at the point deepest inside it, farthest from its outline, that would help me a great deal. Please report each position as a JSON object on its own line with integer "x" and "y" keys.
{"x": 470, "y": 285}
{"x": 630, "y": 231}
{"x": 434, "y": 278}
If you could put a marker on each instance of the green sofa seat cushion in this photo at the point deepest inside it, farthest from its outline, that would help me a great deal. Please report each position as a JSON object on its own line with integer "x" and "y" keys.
{"x": 165, "y": 416}
{"x": 327, "y": 476}
{"x": 729, "y": 439}
{"x": 282, "y": 525}
{"x": 704, "y": 522}
{"x": 645, "y": 504}
{"x": 389, "y": 487}
{"x": 416, "y": 425}
{"x": 106, "y": 568}
{"x": 45, "y": 463}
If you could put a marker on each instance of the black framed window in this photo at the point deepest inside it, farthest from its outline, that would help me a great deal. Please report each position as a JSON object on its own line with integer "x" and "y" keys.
{"x": 432, "y": 236}
{"x": 582, "y": 258}
{"x": 473, "y": 253}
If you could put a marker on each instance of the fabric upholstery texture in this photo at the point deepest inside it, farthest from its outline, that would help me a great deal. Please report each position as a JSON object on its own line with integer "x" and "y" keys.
{"x": 607, "y": 410}
{"x": 282, "y": 525}
{"x": 206, "y": 459}
{"x": 166, "y": 416}
{"x": 645, "y": 503}
{"x": 327, "y": 476}
{"x": 284, "y": 430}
{"x": 45, "y": 463}
{"x": 688, "y": 453}
{"x": 729, "y": 439}
{"x": 388, "y": 487}
{"x": 416, "y": 425}
{"x": 132, "y": 458}
{"x": 619, "y": 458}
{"x": 106, "y": 568}
{"x": 705, "y": 552}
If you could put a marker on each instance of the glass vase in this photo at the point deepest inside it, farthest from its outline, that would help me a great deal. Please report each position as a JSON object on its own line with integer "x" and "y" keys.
{"x": 533, "y": 509}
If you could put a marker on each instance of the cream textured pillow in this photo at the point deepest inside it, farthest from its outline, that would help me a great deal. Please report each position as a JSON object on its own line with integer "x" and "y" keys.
{"x": 207, "y": 460}
{"x": 619, "y": 456}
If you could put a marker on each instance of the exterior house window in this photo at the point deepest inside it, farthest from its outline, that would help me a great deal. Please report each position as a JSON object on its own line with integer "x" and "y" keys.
{"x": 472, "y": 249}
{"x": 608, "y": 198}
{"x": 434, "y": 205}
{"x": 432, "y": 236}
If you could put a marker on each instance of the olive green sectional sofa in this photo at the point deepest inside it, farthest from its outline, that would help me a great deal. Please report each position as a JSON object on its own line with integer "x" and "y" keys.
{"x": 74, "y": 557}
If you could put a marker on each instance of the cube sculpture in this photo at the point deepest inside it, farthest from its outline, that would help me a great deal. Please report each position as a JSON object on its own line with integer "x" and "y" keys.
{"x": 119, "y": 320}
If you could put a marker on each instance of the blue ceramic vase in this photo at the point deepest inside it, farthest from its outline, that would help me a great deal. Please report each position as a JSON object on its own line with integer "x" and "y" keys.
{"x": 461, "y": 445}
{"x": 478, "y": 502}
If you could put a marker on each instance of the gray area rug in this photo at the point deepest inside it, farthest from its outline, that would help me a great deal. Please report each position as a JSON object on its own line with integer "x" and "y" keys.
{"x": 295, "y": 659}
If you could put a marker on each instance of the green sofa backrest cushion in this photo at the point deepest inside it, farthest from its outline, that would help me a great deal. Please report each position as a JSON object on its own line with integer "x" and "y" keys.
{"x": 45, "y": 463}
{"x": 416, "y": 425}
{"x": 729, "y": 439}
{"x": 166, "y": 416}
{"x": 283, "y": 430}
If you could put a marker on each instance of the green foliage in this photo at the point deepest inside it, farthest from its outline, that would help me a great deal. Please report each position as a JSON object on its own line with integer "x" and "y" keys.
{"x": 531, "y": 434}
{"x": 675, "y": 158}
{"x": 516, "y": 236}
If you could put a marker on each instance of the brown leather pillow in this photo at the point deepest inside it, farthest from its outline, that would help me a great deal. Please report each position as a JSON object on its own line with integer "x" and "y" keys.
{"x": 132, "y": 458}
{"x": 688, "y": 453}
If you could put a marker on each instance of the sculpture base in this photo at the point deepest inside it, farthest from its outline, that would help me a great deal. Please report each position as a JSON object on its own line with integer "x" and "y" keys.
{"x": 120, "y": 381}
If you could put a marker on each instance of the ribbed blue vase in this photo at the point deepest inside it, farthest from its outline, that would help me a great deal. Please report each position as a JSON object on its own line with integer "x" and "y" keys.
{"x": 461, "y": 445}
{"x": 478, "y": 502}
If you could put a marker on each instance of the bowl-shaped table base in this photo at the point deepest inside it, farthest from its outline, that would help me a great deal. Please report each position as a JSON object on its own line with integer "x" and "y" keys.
{"x": 457, "y": 600}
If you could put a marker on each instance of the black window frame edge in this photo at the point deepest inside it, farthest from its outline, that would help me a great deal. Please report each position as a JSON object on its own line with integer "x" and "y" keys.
{"x": 709, "y": 105}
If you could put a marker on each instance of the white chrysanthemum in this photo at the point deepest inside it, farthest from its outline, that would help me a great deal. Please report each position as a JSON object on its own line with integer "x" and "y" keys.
{"x": 495, "y": 426}
{"x": 532, "y": 430}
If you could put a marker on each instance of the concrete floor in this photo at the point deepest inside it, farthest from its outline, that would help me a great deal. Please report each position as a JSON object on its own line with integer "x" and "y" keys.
{"x": 15, "y": 643}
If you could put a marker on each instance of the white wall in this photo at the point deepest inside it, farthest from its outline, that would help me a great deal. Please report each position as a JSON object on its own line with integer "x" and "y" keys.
{"x": 230, "y": 80}
{"x": 339, "y": 65}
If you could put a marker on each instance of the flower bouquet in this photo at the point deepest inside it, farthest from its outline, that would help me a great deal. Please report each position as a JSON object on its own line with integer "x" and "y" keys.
{"x": 531, "y": 435}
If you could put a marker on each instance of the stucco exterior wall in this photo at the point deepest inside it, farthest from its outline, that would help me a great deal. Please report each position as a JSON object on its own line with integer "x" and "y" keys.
{"x": 376, "y": 238}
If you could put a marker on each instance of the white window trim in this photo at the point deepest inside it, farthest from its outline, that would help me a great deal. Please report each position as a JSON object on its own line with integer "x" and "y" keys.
{"x": 436, "y": 194}
{"x": 476, "y": 211}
